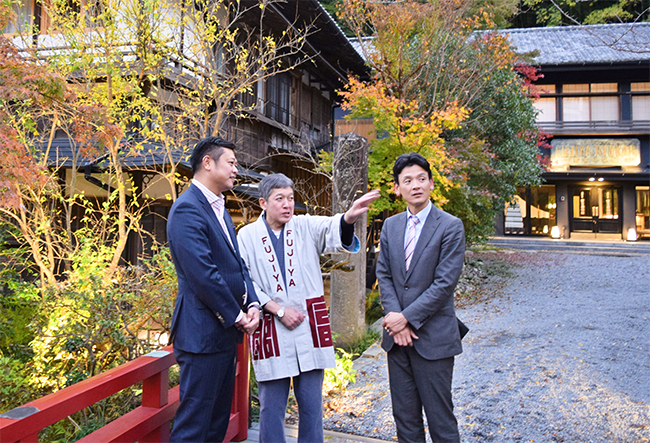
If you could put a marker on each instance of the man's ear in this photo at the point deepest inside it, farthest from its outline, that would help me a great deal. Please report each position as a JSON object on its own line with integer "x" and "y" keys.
{"x": 263, "y": 204}
{"x": 205, "y": 161}
{"x": 396, "y": 189}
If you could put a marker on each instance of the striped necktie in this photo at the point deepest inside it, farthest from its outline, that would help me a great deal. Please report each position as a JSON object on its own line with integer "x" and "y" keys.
{"x": 218, "y": 207}
{"x": 410, "y": 240}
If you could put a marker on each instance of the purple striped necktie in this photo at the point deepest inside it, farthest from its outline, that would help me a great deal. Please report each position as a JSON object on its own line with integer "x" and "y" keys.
{"x": 410, "y": 240}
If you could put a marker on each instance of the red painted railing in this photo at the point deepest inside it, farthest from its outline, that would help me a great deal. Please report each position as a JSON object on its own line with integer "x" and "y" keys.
{"x": 149, "y": 422}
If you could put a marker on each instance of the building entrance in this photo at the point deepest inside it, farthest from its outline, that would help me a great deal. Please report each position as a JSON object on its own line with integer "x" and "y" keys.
{"x": 596, "y": 209}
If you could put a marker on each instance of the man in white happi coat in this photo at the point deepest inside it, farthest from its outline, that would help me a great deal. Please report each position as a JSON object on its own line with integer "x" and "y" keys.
{"x": 294, "y": 340}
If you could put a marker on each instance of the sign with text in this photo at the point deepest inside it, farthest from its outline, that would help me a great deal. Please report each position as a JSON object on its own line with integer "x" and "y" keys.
{"x": 595, "y": 152}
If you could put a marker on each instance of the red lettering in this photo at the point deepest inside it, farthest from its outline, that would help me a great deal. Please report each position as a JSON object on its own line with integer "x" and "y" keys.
{"x": 274, "y": 269}
{"x": 292, "y": 283}
{"x": 290, "y": 253}
{"x": 276, "y": 277}
{"x": 319, "y": 322}
{"x": 279, "y": 289}
{"x": 268, "y": 249}
{"x": 264, "y": 240}
{"x": 272, "y": 259}
{"x": 289, "y": 242}
{"x": 291, "y": 271}
{"x": 289, "y": 231}
{"x": 264, "y": 341}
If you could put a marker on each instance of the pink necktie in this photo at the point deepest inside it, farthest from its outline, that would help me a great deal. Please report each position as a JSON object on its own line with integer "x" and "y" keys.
{"x": 219, "y": 208}
{"x": 410, "y": 240}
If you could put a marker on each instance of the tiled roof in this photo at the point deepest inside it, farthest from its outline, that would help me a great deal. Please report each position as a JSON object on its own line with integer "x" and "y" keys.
{"x": 61, "y": 154}
{"x": 563, "y": 45}
{"x": 62, "y": 151}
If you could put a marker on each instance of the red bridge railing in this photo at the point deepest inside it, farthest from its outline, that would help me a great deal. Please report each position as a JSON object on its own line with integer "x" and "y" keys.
{"x": 149, "y": 422}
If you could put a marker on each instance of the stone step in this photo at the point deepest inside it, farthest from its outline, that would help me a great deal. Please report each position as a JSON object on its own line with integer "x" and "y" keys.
{"x": 594, "y": 246}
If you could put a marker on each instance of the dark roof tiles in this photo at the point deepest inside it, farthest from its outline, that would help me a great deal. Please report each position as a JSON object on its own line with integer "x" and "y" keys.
{"x": 561, "y": 45}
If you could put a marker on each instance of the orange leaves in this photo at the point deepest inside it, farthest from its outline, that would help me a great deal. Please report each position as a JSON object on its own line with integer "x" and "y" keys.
{"x": 18, "y": 168}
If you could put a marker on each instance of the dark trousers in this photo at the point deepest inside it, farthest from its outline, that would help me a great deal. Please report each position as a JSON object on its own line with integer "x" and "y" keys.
{"x": 416, "y": 382}
{"x": 308, "y": 389}
{"x": 207, "y": 383}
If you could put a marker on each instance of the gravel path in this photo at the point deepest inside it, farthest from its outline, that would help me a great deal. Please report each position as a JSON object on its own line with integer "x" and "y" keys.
{"x": 561, "y": 354}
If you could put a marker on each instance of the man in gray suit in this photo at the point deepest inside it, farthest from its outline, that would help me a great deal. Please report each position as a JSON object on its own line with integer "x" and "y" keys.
{"x": 421, "y": 258}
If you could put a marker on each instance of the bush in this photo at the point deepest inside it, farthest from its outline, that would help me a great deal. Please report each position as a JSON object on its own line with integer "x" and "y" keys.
{"x": 56, "y": 336}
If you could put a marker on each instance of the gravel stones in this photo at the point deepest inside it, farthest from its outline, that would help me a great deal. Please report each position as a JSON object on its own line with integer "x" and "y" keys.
{"x": 561, "y": 354}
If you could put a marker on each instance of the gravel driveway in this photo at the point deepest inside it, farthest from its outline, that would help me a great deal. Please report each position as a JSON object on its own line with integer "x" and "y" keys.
{"x": 560, "y": 354}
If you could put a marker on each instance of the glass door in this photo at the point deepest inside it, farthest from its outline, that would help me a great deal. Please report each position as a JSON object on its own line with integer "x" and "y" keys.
{"x": 583, "y": 210}
{"x": 596, "y": 209}
{"x": 609, "y": 220}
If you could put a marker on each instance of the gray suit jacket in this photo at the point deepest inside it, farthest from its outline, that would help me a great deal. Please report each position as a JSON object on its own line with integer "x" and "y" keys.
{"x": 424, "y": 294}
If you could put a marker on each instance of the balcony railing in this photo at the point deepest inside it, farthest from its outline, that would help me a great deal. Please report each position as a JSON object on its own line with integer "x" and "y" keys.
{"x": 596, "y": 127}
{"x": 149, "y": 422}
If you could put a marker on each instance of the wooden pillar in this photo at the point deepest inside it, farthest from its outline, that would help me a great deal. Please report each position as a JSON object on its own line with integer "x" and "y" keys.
{"x": 348, "y": 282}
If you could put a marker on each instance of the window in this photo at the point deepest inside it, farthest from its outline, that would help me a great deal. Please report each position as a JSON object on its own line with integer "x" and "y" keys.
{"x": 546, "y": 109}
{"x": 278, "y": 98}
{"x": 643, "y": 210}
{"x": 592, "y": 107}
{"x": 640, "y": 102}
{"x": 23, "y": 19}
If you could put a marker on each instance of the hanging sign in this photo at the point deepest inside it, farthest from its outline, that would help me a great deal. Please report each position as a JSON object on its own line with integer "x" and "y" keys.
{"x": 594, "y": 152}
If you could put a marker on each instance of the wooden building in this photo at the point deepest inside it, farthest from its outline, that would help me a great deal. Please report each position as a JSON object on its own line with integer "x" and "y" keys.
{"x": 595, "y": 107}
{"x": 289, "y": 113}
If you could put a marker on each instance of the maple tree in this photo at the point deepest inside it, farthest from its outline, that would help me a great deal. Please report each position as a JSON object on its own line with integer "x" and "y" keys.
{"x": 118, "y": 82}
{"x": 444, "y": 85}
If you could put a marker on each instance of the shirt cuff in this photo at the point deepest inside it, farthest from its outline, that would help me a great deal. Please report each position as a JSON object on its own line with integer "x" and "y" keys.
{"x": 239, "y": 317}
{"x": 347, "y": 233}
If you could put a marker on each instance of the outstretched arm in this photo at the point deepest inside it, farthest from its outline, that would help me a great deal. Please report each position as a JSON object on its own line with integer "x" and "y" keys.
{"x": 360, "y": 206}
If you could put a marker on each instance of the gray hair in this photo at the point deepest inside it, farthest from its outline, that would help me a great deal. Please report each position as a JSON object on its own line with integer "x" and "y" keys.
{"x": 271, "y": 182}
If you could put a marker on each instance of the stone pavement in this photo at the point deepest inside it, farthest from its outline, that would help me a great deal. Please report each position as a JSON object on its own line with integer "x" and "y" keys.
{"x": 330, "y": 436}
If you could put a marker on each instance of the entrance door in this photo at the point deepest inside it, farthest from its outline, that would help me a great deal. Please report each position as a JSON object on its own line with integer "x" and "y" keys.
{"x": 596, "y": 209}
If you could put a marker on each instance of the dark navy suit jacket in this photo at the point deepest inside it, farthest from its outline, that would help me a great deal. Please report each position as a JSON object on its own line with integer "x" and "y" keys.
{"x": 211, "y": 276}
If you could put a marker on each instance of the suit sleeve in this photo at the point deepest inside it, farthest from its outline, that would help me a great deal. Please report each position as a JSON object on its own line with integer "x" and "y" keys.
{"x": 387, "y": 293}
{"x": 446, "y": 275}
{"x": 190, "y": 242}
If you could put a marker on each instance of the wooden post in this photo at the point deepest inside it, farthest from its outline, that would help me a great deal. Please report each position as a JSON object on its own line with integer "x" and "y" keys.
{"x": 348, "y": 283}
{"x": 155, "y": 394}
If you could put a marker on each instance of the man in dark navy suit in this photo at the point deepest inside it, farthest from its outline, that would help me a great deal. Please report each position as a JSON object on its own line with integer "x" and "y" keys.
{"x": 216, "y": 302}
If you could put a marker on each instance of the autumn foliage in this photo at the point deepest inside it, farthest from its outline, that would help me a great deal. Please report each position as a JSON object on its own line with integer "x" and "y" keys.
{"x": 444, "y": 84}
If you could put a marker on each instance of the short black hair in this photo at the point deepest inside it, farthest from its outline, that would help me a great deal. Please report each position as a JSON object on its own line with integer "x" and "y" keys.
{"x": 211, "y": 146}
{"x": 406, "y": 160}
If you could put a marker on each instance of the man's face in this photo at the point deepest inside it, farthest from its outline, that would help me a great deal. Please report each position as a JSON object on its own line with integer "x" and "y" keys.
{"x": 222, "y": 173}
{"x": 414, "y": 186}
{"x": 279, "y": 207}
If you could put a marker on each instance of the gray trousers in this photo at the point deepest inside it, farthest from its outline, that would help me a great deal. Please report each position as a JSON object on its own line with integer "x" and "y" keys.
{"x": 416, "y": 383}
{"x": 308, "y": 389}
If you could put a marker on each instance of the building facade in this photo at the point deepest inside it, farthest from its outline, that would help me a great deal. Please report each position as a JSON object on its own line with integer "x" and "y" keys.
{"x": 285, "y": 116}
{"x": 594, "y": 106}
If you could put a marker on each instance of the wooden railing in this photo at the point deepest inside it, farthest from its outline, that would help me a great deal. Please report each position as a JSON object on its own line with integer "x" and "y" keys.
{"x": 149, "y": 422}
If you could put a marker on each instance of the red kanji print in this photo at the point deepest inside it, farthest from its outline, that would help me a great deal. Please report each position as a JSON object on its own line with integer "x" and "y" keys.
{"x": 264, "y": 341}
{"x": 319, "y": 322}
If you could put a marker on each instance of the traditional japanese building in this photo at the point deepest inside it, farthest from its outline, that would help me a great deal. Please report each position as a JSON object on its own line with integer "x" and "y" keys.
{"x": 595, "y": 107}
{"x": 287, "y": 114}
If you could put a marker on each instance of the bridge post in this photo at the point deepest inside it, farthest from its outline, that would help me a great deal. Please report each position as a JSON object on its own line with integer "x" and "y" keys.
{"x": 155, "y": 392}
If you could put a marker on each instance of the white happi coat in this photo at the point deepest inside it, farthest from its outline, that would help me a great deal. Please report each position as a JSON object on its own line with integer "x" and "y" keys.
{"x": 276, "y": 351}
